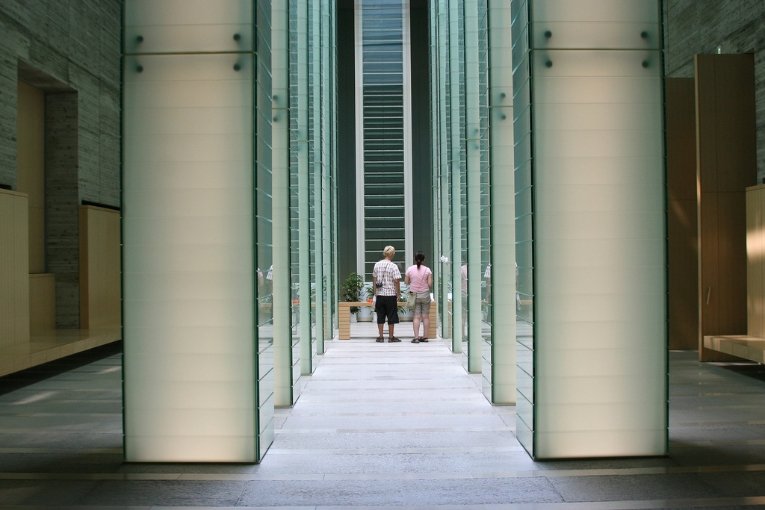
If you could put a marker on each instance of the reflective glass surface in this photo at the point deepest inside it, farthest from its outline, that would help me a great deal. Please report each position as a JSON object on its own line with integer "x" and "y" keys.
{"x": 590, "y": 233}
{"x": 188, "y": 259}
{"x": 383, "y": 129}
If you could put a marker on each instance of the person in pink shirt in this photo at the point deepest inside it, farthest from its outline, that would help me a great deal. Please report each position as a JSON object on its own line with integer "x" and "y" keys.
{"x": 419, "y": 277}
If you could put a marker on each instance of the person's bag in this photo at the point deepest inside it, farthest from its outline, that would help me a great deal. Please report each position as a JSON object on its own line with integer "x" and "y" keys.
{"x": 411, "y": 296}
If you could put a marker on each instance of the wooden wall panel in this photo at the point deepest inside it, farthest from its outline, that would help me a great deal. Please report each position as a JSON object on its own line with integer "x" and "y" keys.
{"x": 42, "y": 303}
{"x": 682, "y": 230}
{"x": 14, "y": 269}
{"x": 7, "y": 271}
{"x": 755, "y": 248}
{"x": 100, "y": 269}
{"x": 726, "y": 165}
{"x": 30, "y": 157}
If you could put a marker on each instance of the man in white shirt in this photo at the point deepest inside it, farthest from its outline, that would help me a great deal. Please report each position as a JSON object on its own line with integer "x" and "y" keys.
{"x": 386, "y": 279}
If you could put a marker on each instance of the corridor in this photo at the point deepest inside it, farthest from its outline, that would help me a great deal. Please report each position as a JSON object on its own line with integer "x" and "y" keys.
{"x": 380, "y": 425}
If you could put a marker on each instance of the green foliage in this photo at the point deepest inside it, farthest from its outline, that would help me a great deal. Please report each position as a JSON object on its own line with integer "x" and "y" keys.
{"x": 350, "y": 289}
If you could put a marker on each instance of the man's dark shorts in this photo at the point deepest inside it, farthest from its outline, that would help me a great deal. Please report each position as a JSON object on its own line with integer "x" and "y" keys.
{"x": 386, "y": 306}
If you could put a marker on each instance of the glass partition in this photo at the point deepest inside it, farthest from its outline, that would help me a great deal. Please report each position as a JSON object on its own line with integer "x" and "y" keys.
{"x": 590, "y": 228}
{"x": 476, "y": 231}
{"x": 300, "y": 203}
{"x": 285, "y": 360}
{"x": 197, "y": 388}
{"x": 481, "y": 307}
{"x": 383, "y": 118}
{"x": 440, "y": 15}
{"x": 327, "y": 106}
{"x": 264, "y": 208}
{"x": 316, "y": 180}
{"x": 457, "y": 173}
{"x": 500, "y": 270}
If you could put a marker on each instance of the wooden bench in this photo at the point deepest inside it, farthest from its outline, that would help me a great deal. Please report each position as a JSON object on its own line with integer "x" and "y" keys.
{"x": 344, "y": 318}
{"x": 747, "y": 347}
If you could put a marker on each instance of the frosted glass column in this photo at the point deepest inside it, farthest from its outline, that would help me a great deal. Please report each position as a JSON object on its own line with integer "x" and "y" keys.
{"x": 285, "y": 391}
{"x": 439, "y": 61}
{"x": 444, "y": 144}
{"x": 590, "y": 209}
{"x": 500, "y": 275}
{"x": 456, "y": 173}
{"x": 474, "y": 91}
{"x": 326, "y": 137}
{"x": 191, "y": 389}
{"x": 302, "y": 208}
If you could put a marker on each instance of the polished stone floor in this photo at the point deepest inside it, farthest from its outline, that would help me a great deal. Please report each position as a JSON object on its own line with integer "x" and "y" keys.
{"x": 380, "y": 426}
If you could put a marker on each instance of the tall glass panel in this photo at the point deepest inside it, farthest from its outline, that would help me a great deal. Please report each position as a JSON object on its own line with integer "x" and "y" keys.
{"x": 448, "y": 144}
{"x": 300, "y": 204}
{"x": 287, "y": 389}
{"x": 445, "y": 219}
{"x": 524, "y": 235}
{"x": 316, "y": 182}
{"x": 499, "y": 271}
{"x": 591, "y": 228}
{"x": 483, "y": 312}
{"x": 382, "y": 129}
{"x": 458, "y": 176}
{"x": 476, "y": 88}
{"x": 326, "y": 193}
{"x": 264, "y": 216}
{"x": 191, "y": 362}
{"x": 435, "y": 146}
{"x": 334, "y": 292}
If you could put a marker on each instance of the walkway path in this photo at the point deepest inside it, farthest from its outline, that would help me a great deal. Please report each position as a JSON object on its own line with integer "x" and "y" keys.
{"x": 382, "y": 426}
{"x": 400, "y": 424}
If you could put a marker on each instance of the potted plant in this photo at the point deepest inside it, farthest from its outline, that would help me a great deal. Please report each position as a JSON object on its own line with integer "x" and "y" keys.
{"x": 366, "y": 294}
{"x": 405, "y": 313}
{"x": 350, "y": 289}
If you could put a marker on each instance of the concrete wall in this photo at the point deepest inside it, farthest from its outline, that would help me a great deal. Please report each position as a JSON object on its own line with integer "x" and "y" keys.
{"x": 704, "y": 26}
{"x": 71, "y": 50}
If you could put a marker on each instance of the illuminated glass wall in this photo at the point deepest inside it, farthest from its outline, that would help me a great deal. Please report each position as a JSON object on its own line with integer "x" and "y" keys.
{"x": 440, "y": 63}
{"x": 498, "y": 219}
{"x": 286, "y": 356}
{"x": 590, "y": 228}
{"x": 196, "y": 181}
{"x": 383, "y": 139}
{"x": 473, "y": 186}
{"x": 312, "y": 198}
{"x": 462, "y": 176}
{"x": 450, "y": 172}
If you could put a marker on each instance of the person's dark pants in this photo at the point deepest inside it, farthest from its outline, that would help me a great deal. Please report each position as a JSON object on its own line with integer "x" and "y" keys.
{"x": 386, "y": 307}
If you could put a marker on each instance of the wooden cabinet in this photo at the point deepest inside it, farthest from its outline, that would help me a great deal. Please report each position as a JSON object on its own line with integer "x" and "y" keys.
{"x": 682, "y": 215}
{"x": 100, "y": 268}
{"x": 726, "y": 166}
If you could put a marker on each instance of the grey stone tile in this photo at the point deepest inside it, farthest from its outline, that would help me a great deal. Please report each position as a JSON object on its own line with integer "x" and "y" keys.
{"x": 60, "y": 440}
{"x": 43, "y": 492}
{"x": 438, "y": 442}
{"x": 72, "y": 462}
{"x": 736, "y": 484}
{"x": 456, "y": 464}
{"x": 376, "y": 440}
{"x": 400, "y": 492}
{"x": 407, "y": 421}
{"x": 637, "y": 487}
{"x": 703, "y": 454}
{"x": 165, "y": 492}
